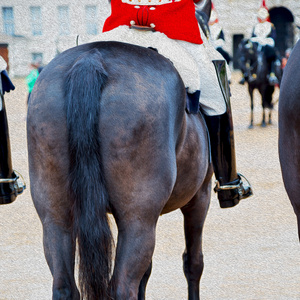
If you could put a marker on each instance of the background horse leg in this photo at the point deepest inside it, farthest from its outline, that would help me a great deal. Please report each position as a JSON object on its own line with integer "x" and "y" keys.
{"x": 251, "y": 107}
{"x": 194, "y": 217}
{"x": 267, "y": 97}
{"x": 143, "y": 283}
{"x": 263, "y": 122}
{"x": 264, "y": 104}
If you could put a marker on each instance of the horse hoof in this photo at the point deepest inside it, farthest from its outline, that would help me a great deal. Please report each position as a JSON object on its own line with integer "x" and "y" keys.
{"x": 263, "y": 125}
{"x": 250, "y": 126}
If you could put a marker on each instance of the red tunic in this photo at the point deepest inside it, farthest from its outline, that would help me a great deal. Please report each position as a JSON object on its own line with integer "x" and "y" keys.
{"x": 175, "y": 18}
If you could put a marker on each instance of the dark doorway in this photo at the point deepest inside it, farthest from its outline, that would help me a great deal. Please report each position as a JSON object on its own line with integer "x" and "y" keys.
{"x": 283, "y": 21}
{"x": 236, "y": 40}
{"x": 4, "y": 53}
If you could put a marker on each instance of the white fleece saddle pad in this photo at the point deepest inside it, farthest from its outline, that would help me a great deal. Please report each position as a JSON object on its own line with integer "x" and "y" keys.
{"x": 182, "y": 60}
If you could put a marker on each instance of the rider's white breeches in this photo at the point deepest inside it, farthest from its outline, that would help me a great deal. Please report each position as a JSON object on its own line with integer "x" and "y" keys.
{"x": 211, "y": 98}
{"x": 193, "y": 61}
{"x": 263, "y": 41}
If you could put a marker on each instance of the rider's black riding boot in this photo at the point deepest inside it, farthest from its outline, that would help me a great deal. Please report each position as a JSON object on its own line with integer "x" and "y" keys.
{"x": 229, "y": 184}
{"x": 10, "y": 185}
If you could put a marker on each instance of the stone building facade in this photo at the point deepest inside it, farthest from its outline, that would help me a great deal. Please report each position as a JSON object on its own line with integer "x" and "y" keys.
{"x": 238, "y": 18}
{"x": 42, "y": 28}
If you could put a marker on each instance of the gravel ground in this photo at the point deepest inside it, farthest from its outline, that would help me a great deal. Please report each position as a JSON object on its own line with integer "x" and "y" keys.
{"x": 251, "y": 251}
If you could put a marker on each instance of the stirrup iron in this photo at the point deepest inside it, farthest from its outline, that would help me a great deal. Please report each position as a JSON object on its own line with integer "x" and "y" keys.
{"x": 238, "y": 186}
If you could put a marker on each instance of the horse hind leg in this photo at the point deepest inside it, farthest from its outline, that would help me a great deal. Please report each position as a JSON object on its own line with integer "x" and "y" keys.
{"x": 143, "y": 283}
{"x": 194, "y": 217}
{"x": 59, "y": 250}
{"x": 133, "y": 266}
{"x": 53, "y": 207}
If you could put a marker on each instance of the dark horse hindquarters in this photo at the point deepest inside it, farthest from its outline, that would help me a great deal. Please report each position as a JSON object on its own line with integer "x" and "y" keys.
{"x": 107, "y": 131}
{"x": 289, "y": 129}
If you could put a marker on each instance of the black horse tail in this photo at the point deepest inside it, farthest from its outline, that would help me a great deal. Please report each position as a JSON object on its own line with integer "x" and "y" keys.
{"x": 84, "y": 84}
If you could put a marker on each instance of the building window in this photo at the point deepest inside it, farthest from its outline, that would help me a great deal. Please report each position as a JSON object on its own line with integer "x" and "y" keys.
{"x": 91, "y": 19}
{"x": 8, "y": 20}
{"x": 36, "y": 20}
{"x": 37, "y": 59}
{"x": 63, "y": 20}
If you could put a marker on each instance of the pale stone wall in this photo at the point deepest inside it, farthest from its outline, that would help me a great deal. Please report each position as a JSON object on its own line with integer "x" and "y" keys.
{"x": 236, "y": 17}
{"x": 239, "y": 17}
{"x": 50, "y": 43}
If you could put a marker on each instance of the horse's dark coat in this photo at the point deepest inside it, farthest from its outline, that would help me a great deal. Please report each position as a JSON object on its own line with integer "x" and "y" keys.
{"x": 289, "y": 129}
{"x": 107, "y": 132}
